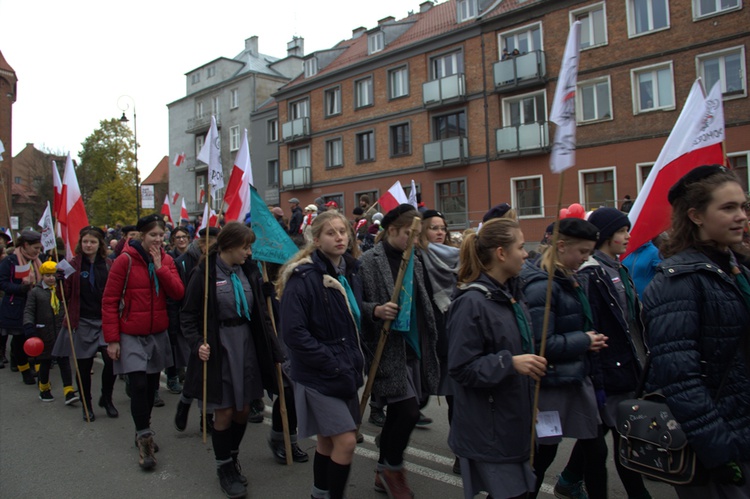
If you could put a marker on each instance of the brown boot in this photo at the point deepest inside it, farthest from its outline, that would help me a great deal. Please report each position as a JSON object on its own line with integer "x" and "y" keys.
{"x": 395, "y": 485}
{"x": 146, "y": 458}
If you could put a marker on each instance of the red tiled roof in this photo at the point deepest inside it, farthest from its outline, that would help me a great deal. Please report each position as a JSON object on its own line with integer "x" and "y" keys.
{"x": 24, "y": 193}
{"x": 160, "y": 174}
{"x": 4, "y": 64}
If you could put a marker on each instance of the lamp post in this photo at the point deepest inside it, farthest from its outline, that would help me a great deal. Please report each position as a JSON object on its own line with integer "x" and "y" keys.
{"x": 124, "y": 119}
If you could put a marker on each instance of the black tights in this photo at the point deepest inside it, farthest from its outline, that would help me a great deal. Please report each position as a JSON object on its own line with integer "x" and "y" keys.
{"x": 632, "y": 481}
{"x": 108, "y": 376}
{"x": 589, "y": 457}
{"x": 63, "y": 364}
{"x": 16, "y": 348}
{"x": 291, "y": 412}
{"x": 400, "y": 420}
{"x": 142, "y": 391}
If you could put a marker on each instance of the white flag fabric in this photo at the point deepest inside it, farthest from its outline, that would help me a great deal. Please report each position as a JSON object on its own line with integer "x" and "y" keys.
{"x": 237, "y": 195}
{"x": 48, "y": 231}
{"x": 563, "y": 112}
{"x": 413, "y": 195}
{"x": 211, "y": 155}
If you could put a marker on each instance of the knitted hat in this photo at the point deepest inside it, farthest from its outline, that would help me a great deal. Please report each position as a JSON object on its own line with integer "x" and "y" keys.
{"x": 608, "y": 221}
{"x": 49, "y": 267}
{"x": 496, "y": 212}
{"x": 579, "y": 229}
{"x": 377, "y": 217}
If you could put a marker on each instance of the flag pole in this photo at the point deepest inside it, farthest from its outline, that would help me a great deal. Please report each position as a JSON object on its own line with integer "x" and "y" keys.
{"x": 547, "y": 303}
{"x": 5, "y": 197}
{"x": 279, "y": 381}
{"x": 205, "y": 317}
{"x": 385, "y": 331}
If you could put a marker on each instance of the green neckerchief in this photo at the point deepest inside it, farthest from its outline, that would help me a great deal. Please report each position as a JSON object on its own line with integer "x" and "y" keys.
{"x": 152, "y": 274}
{"x": 240, "y": 300}
{"x": 625, "y": 278}
{"x": 352, "y": 301}
{"x": 523, "y": 327}
{"x": 588, "y": 320}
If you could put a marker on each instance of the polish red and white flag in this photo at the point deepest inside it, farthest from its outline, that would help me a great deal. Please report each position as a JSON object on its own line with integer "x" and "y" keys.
{"x": 210, "y": 217}
{"x": 392, "y": 198}
{"x": 237, "y": 194}
{"x": 165, "y": 209}
{"x": 179, "y": 159}
{"x": 21, "y": 271}
{"x": 201, "y": 196}
{"x": 175, "y": 195}
{"x": 184, "y": 215}
{"x": 695, "y": 140}
{"x": 72, "y": 214}
{"x": 57, "y": 199}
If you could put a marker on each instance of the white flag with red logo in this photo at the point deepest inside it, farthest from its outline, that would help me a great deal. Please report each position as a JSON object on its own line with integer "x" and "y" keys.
{"x": 211, "y": 155}
{"x": 237, "y": 195}
{"x": 48, "y": 231}
{"x": 392, "y": 198}
{"x": 165, "y": 210}
{"x": 695, "y": 140}
{"x": 563, "y": 113}
{"x": 179, "y": 158}
{"x": 72, "y": 213}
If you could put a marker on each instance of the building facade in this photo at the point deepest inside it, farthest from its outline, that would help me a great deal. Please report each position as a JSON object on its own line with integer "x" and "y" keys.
{"x": 32, "y": 183}
{"x": 8, "y": 90}
{"x": 456, "y": 96}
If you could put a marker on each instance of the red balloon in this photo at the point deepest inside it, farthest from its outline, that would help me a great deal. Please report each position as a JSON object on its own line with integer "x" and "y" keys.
{"x": 33, "y": 346}
{"x": 575, "y": 210}
{"x": 563, "y": 213}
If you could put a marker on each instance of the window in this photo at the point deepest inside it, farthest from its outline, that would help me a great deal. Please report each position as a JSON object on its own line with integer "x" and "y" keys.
{"x": 200, "y": 187}
{"x": 215, "y": 106}
{"x": 739, "y": 163}
{"x": 273, "y": 173}
{"x": 642, "y": 171}
{"x": 467, "y": 9}
{"x": 299, "y": 158}
{"x": 199, "y": 140}
{"x": 645, "y": 16}
{"x": 527, "y": 39}
{"x": 333, "y": 101}
{"x": 299, "y": 109}
{"x": 272, "y": 130}
{"x": 336, "y": 198}
{"x": 653, "y": 88}
{"x": 375, "y": 42}
{"x": 525, "y": 109}
{"x": 210, "y": 71}
{"x": 702, "y": 8}
{"x": 334, "y": 153}
{"x": 449, "y": 125}
{"x": 365, "y": 146}
{"x": 726, "y": 66}
{"x": 372, "y": 196}
{"x": 447, "y": 65}
{"x": 17, "y": 180}
{"x": 398, "y": 82}
{"x": 594, "y": 100}
{"x": 400, "y": 139}
{"x": 593, "y": 25}
{"x": 527, "y": 196}
{"x": 234, "y": 138}
{"x": 199, "y": 109}
{"x": 234, "y": 98}
{"x": 196, "y": 78}
{"x": 451, "y": 200}
{"x": 311, "y": 67}
{"x": 363, "y": 93}
{"x": 598, "y": 188}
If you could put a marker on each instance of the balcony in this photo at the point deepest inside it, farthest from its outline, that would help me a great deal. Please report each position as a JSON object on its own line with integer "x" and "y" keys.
{"x": 201, "y": 123}
{"x": 446, "y": 152}
{"x": 521, "y": 71}
{"x": 296, "y": 178}
{"x": 295, "y": 129}
{"x": 443, "y": 91}
{"x": 522, "y": 140}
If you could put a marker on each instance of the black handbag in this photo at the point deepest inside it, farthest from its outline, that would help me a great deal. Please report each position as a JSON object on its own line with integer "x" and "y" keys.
{"x": 652, "y": 442}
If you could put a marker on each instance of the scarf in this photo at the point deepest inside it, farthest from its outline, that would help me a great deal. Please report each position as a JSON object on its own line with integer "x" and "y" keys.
{"x": 352, "y": 301}
{"x": 523, "y": 327}
{"x": 740, "y": 279}
{"x": 23, "y": 259}
{"x": 54, "y": 301}
{"x": 149, "y": 261}
{"x": 240, "y": 300}
{"x": 588, "y": 320}
{"x": 441, "y": 265}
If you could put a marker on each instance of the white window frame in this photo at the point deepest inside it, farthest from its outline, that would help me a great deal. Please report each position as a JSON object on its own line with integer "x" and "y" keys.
{"x": 697, "y": 15}
{"x": 640, "y": 179}
{"x": 579, "y": 100}
{"x": 636, "y": 90}
{"x": 294, "y": 156}
{"x": 311, "y": 67}
{"x": 701, "y": 58}
{"x": 272, "y": 130}
{"x": 631, "y": 19}
{"x": 403, "y": 83}
{"x": 504, "y": 36}
{"x": 234, "y": 138}
{"x": 360, "y": 85}
{"x": 466, "y": 9}
{"x": 742, "y": 153}
{"x": 587, "y": 10}
{"x": 215, "y": 105}
{"x": 299, "y": 109}
{"x": 335, "y": 94}
{"x": 582, "y": 185}
{"x": 375, "y": 42}
{"x": 334, "y": 153}
{"x": 234, "y": 98}
{"x": 439, "y": 60}
{"x": 506, "y": 103}
{"x": 514, "y": 197}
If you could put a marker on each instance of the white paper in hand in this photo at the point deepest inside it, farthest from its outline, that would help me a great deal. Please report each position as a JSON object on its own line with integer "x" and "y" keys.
{"x": 548, "y": 424}
{"x": 67, "y": 269}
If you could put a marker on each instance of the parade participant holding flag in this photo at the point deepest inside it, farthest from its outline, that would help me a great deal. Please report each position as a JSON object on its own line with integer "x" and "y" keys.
{"x": 239, "y": 350}
{"x": 19, "y": 273}
{"x": 134, "y": 320}
{"x": 697, "y": 311}
{"x": 409, "y": 369}
{"x": 321, "y": 312}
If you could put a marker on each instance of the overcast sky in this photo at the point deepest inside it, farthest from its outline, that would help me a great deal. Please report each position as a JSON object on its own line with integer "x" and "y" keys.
{"x": 75, "y": 59}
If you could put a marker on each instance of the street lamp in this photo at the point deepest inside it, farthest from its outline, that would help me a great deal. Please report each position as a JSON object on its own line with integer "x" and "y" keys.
{"x": 124, "y": 119}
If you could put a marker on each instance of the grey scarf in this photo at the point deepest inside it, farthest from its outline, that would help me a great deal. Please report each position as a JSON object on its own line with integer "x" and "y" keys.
{"x": 441, "y": 264}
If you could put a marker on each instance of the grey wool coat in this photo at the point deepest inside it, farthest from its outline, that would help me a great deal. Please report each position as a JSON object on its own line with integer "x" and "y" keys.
{"x": 377, "y": 284}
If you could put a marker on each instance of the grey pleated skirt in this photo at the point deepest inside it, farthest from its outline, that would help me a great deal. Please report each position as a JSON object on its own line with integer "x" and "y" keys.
{"x": 499, "y": 480}
{"x": 319, "y": 414}
{"x": 87, "y": 339}
{"x": 151, "y": 353}
{"x": 577, "y": 407}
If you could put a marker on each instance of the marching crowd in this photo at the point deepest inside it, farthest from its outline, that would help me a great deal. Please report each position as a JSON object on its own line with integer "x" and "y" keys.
{"x": 486, "y": 330}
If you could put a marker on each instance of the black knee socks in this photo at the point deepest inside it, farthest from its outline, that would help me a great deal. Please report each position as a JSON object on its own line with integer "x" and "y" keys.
{"x": 237, "y": 432}
{"x": 400, "y": 420}
{"x": 338, "y": 474}
{"x": 222, "y": 441}
{"x": 320, "y": 471}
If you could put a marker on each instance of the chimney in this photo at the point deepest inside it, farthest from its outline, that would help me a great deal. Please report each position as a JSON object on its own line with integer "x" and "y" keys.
{"x": 251, "y": 44}
{"x": 357, "y": 32}
{"x": 296, "y": 47}
{"x": 386, "y": 20}
{"x": 425, "y": 6}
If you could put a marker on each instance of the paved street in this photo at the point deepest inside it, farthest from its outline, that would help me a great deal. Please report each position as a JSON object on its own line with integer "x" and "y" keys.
{"x": 46, "y": 450}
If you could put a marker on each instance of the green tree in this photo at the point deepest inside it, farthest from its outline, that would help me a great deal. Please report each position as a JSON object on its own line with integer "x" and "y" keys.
{"x": 106, "y": 175}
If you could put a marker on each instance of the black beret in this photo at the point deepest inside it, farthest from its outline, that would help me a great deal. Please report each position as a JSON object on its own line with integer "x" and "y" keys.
{"x": 91, "y": 228}
{"x": 396, "y": 212}
{"x": 496, "y": 212}
{"x": 128, "y": 228}
{"x": 358, "y": 211}
{"x": 694, "y": 175}
{"x": 579, "y": 229}
{"x": 144, "y": 222}
{"x": 212, "y": 231}
{"x": 427, "y": 214}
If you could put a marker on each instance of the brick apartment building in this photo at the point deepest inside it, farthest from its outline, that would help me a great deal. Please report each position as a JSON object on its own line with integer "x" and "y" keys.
{"x": 8, "y": 89}
{"x": 32, "y": 183}
{"x": 431, "y": 97}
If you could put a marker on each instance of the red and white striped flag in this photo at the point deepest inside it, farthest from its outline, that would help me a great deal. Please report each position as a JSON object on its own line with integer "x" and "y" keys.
{"x": 72, "y": 214}
{"x": 184, "y": 215}
{"x": 695, "y": 140}
{"x": 237, "y": 195}
{"x": 175, "y": 195}
{"x": 57, "y": 198}
{"x": 21, "y": 271}
{"x": 201, "y": 196}
{"x": 179, "y": 158}
{"x": 209, "y": 218}
{"x": 165, "y": 210}
{"x": 563, "y": 113}
{"x": 392, "y": 198}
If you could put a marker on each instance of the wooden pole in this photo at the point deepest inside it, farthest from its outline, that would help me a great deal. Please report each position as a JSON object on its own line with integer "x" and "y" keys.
{"x": 385, "y": 331}
{"x": 545, "y": 321}
{"x": 279, "y": 381}
{"x": 205, "y": 319}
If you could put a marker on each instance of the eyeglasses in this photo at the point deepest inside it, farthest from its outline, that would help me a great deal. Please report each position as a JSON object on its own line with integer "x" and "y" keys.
{"x": 180, "y": 238}
{"x": 438, "y": 227}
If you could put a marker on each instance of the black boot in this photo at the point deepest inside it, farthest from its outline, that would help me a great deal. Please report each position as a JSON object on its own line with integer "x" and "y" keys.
{"x": 181, "y": 416}
{"x": 92, "y": 417}
{"x": 105, "y": 401}
{"x": 229, "y": 481}
{"x": 28, "y": 377}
